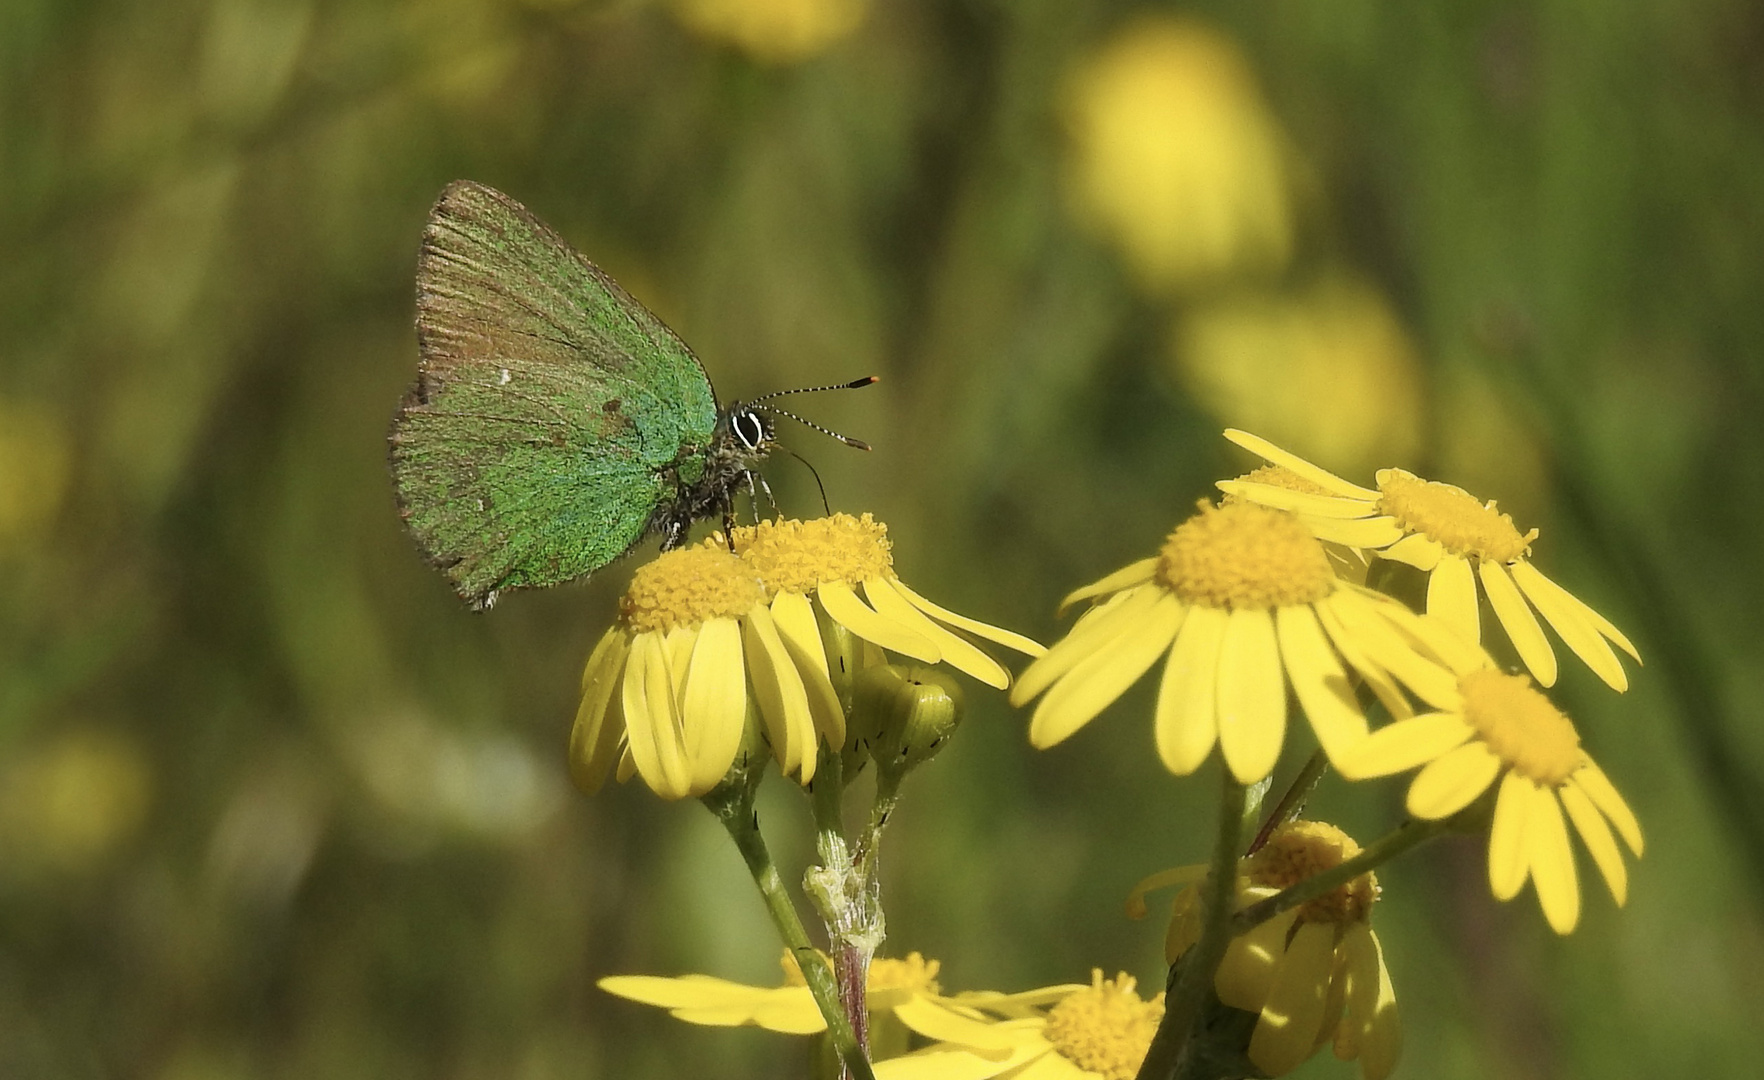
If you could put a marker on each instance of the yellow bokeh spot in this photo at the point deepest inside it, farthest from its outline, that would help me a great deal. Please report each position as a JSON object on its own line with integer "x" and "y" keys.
{"x": 1245, "y": 556}
{"x": 689, "y": 587}
{"x": 774, "y": 31}
{"x": 1521, "y": 726}
{"x": 1175, "y": 157}
{"x": 34, "y": 464}
{"x": 1105, "y": 1029}
{"x": 1300, "y": 850}
{"x": 1451, "y": 516}
{"x": 66, "y": 805}
{"x": 1328, "y": 371}
{"x": 795, "y": 556}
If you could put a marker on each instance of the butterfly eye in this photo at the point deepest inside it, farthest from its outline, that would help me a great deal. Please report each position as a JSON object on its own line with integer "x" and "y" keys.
{"x": 748, "y": 429}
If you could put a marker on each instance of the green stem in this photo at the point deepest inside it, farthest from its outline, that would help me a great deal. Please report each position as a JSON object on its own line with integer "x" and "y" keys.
{"x": 1293, "y": 802}
{"x": 1394, "y": 843}
{"x": 1192, "y": 975}
{"x": 736, "y": 814}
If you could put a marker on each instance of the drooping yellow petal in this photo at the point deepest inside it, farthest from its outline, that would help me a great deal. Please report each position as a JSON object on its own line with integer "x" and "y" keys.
{"x": 1404, "y": 745}
{"x": 1093, "y": 632}
{"x": 627, "y": 764}
{"x": 599, "y": 720}
{"x": 1566, "y": 615}
{"x": 1251, "y": 960}
{"x": 794, "y": 616}
{"x": 1451, "y": 595}
{"x": 1302, "y": 503}
{"x": 1509, "y": 861}
{"x": 1319, "y": 682}
{"x": 1137, "y": 573}
{"x": 1292, "y": 1017}
{"x": 714, "y": 704}
{"x": 782, "y": 698}
{"x": 790, "y": 1010}
{"x": 1163, "y": 879}
{"x": 1552, "y": 861}
{"x": 1599, "y": 841}
{"x": 1391, "y": 696}
{"x": 1452, "y": 781}
{"x": 652, "y": 725}
{"x": 1372, "y": 1026}
{"x": 709, "y": 1000}
{"x": 1252, "y": 695}
{"x": 846, "y": 609}
{"x": 942, "y": 1025}
{"x": 1419, "y": 551}
{"x": 1102, "y": 677}
{"x": 1316, "y": 474}
{"x": 1358, "y": 533}
{"x": 958, "y": 651}
{"x": 1187, "y": 721}
{"x": 1520, "y": 624}
{"x": 1599, "y": 789}
{"x": 1434, "y": 636}
{"x": 1366, "y": 626}
{"x": 985, "y": 631}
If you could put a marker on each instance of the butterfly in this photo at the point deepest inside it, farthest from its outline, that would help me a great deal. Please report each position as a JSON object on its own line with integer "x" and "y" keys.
{"x": 555, "y": 423}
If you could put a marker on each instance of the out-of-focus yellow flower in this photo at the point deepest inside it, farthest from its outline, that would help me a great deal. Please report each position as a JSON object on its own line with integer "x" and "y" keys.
{"x": 67, "y": 804}
{"x": 1314, "y": 974}
{"x": 1330, "y": 370}
{"x": 33, "y": 470}
{"x": 774, "y": 31}
{"x": 1175, "y": 157}
{"x": 1457, "y": 541}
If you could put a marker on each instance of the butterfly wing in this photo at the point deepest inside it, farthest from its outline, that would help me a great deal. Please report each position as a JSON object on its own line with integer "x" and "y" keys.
{"x": 547, "y": 404}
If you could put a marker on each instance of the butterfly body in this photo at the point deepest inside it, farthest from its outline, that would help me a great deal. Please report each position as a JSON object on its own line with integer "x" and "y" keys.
{"x": 555, "y": 422}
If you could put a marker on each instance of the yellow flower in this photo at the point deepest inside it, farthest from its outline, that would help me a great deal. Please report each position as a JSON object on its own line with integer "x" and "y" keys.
{"x": 1175, "y": 157}
{"x": 1500, "y": 727}
{"x": 666, "y": 692}
{"x": 1095, "y": 1032}
{"x": 775, "y": 31}
{"x": 1243, "y": 598}
{"x": 909, "y": 984}
{"x": 1313, "y": 974}
{"x": 1444, "y": 532}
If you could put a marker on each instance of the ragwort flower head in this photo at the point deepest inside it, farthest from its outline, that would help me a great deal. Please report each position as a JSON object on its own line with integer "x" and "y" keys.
{"x": 1457, "y": 541}
{"x": 1243, "y": 600}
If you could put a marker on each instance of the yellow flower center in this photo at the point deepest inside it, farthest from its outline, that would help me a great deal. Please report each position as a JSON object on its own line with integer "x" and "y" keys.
{"x": 1106, "y": 1029}
{"x": 1451, "y": 516}
{"x": 1521, "y": 726}
{"x": 687, "y": 587}
{"x": 1282, "y": 477}
{"x": 1303, "y": 849}
{"x": 1245, "y": 556}
{"x": 796, "y": 556}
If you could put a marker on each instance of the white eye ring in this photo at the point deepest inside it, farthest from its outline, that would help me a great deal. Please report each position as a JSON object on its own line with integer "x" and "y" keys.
{"x": 748, "y": 429}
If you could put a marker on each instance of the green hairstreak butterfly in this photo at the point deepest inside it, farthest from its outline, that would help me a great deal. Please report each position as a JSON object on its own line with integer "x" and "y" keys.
{"x": 555, "y": 422}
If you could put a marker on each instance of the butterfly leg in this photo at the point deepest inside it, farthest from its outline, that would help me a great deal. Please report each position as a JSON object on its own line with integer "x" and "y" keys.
{"x": 771, "y": 499}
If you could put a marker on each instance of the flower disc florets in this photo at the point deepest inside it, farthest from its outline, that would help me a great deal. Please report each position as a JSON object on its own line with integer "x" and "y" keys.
{"x": 1244, "y": 556}
{"x": 1521, "y": 726}
{"x": 1300, "y": 850}
{"x": 1451, "y": 516}
{"x": 796, "y": 556}
{"x": 1106, "y": 1029}
{"x": 688, "y": 587}
{"x": 1281, "y": 477}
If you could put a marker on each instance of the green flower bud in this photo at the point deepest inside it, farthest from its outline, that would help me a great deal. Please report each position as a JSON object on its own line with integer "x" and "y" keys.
{"x": 904, "y": 714}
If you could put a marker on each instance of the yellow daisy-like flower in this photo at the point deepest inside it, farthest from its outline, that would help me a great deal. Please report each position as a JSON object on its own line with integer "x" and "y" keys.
{"x": 1096, "y": 1032}
{"x": 789, "y": 1008}
{"x": 822, "y": 563}
{"x": 1314, "y": 974}
{"x": 1444, "y": 532}
{"x": 1499, "y": 727}
{"x": 666, "y": 693}
{"x": 1243, "y": 599}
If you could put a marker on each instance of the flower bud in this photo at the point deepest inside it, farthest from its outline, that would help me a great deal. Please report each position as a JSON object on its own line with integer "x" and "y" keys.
{"x": 904, "y": 713}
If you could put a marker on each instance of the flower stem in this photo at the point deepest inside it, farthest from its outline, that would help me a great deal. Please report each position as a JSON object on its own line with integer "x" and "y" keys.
{"x": 1394, "y": 843}
{"x": 1191, "y": 977}
{"x": 1292, "y": 803}
{"x": 735, "y": 811}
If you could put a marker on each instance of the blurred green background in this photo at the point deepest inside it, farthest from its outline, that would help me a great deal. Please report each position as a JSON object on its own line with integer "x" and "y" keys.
{"x": 274, "y": 804}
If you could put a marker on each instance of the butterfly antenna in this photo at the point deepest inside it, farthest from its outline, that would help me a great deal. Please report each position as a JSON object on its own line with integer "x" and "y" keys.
{"x": 829, "y": 432}
{"x": 825, "y": 507}
{"x": 853, "y": 385}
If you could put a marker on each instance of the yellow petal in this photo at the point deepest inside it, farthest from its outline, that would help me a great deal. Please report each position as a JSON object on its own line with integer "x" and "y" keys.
{"x": 1599, "y": 841}
{"x": 790, "y": 1010}
{"x": 1103, "y": 676}
{"x": 1092, "y": 633}
{"x": 1451, "y": 595}
{"x": 1376, "y": 1028}
{"x": 1319, "y": 682}
{"x": 1187, "y": 719}
{"x": 1252, "y": 695}
{"x": 958, "y": 652}
{"x": 844, "y": 606}
{"x": 1127, "y": 577}
{"x": 1405, "y": 744}
{"x": 783, "y": 700}
{"x": 1566, "y": 615}
{"x": 1302, "y": 503}
{"x": 1433, "y": 636}
{"x": 986, "y": 631}
{"x": 627, "y": 764}
{"x": 794, "y": 616}
{"x": 1292, "y": 1018}
{"x": 1508, "y": 851}
{"x": 942, "y": 1025}
{"x": 714, "y": 704}
{"x": 1316, "y": 474}
{"x": 698, "y": 992}
{"x": 1163, "y": 879}
{"x": 1361, "y": 533}
{"x": 1417, "y": 550}
{"x": 1599, "y": 789}
{"x": 652, "y": 723}
{"x": 1552, "y": 861}
{"x": 1247, "y": 972}
{"x": 944, "y": 1061}
{"x": 1366, "y": 627}
{"x": 1521, "y": 625}
{"x": 1383, "y": 686}
{"x": 599, "y": 720}
{"x": 1452, "y": 781}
